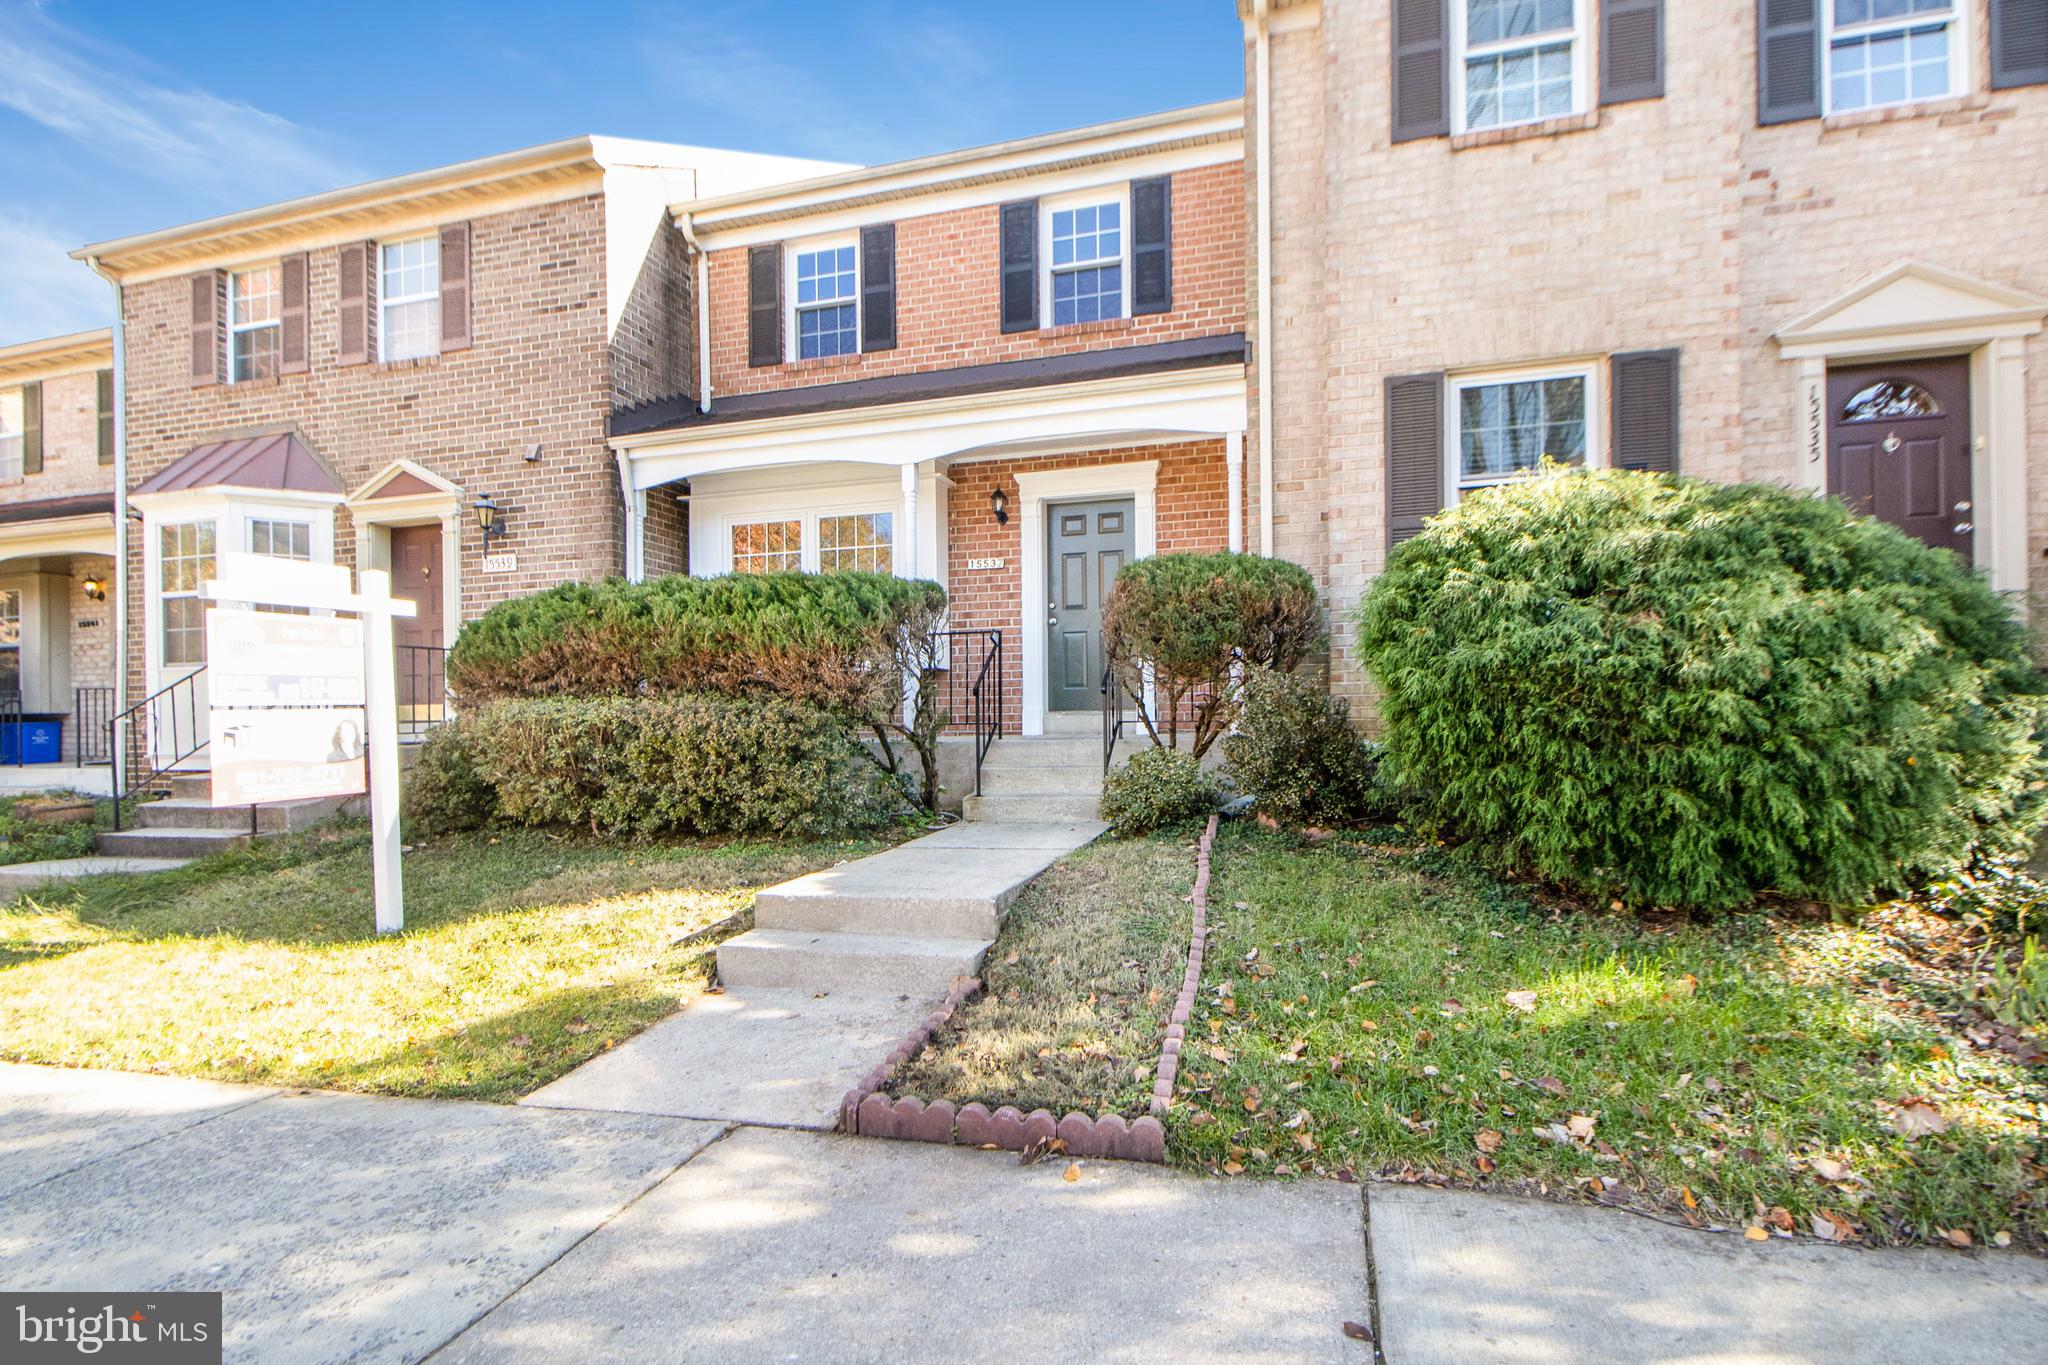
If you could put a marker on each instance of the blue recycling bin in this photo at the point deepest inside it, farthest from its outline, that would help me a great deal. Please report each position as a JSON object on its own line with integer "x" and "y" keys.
{"x": 32, "y": 739}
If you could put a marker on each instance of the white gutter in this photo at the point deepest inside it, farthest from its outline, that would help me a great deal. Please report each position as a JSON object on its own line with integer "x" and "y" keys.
{"x": 1262, "y": 62}
{"x": 120, "y": 498}
{"x": 686, "y": 222}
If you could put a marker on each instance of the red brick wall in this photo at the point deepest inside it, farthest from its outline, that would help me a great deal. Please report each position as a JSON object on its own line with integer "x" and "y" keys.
{"x": 1193, "y": 515}
{"x": 946, "y": 299}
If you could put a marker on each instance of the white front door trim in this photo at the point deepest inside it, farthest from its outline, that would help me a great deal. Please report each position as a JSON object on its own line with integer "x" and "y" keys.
{"x": 442, "y": 505}
{"x": 1138, "y": 480}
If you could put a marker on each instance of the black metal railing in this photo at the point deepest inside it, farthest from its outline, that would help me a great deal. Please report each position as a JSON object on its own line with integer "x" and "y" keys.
{"x": 1112, "y": 713}
{"x": 155, "y": 735}
{"x": 423, "y": 699}
{"x": 91, "y": 709}
{"x": 974, "y": 688}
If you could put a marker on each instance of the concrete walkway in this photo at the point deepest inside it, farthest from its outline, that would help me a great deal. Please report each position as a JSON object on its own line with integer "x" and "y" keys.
{"x": 349, "y": 1228}
{"x": 16, "y": 877}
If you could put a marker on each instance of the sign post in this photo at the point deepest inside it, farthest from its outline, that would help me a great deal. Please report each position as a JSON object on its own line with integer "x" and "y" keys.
{"x": 301, "y": 700}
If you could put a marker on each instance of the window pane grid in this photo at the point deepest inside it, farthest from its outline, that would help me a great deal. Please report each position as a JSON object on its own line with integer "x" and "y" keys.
{"x": 767, "y": 546}
{"x": 409, "y": 299}
{"x": 254, "y": 297}
{"x": 281, "y": 539}
{"x": 185, "y": 554}
{"x": 863, "y": 541}
{"x": 826, "y": 331}
{"x": 1892, "y": 66}
{"x": 1088, "y": 295}
{"x": 1507, "y": 429}
{"x": 1518, "y": 86}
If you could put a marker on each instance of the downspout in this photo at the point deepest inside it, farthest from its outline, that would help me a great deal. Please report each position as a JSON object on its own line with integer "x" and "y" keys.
{"x": 120, "y": 492}
{"x": 703, "y": 310}
{"x": 1262, "y": 62}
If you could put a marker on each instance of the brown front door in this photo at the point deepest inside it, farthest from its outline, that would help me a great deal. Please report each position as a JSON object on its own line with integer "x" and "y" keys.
{"x": 1899, "y": 447}
{"x": 416, "y": 576}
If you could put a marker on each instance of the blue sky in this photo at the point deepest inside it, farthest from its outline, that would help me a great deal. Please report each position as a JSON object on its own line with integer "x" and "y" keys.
{"x": 122, "y": 117}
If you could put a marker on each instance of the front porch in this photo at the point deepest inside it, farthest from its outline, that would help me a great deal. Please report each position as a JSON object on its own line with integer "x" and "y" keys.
{"x": 1023, "y": 501}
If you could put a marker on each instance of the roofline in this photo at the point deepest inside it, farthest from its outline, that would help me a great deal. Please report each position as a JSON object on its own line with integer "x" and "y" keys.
{"x": 49, "y": 352}
{"x": 1200, "y": 122}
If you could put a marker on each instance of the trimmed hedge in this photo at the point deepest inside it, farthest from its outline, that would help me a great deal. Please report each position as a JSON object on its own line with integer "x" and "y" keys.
{"x": 1692, "y": 694}
{"x": 653, "y": 766}
{"x": 1156, "y": 788}
{"x": 1295, "y": 751}
{"x": 1186, "y": 621}
{"x": 827, "y": 639}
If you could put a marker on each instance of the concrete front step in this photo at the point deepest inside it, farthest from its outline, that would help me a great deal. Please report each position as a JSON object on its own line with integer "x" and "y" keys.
{"x": 171, "y": 843}
{"x": 917, "y": 965}
{"x": 1042, "y": 751}
{"x": 923, "y": 888}
{"x": 1073, "y": 723}
{"x": 1033, "y": 808}
{"x": 188, "y": 812}
{"x": 1011, "y": 779}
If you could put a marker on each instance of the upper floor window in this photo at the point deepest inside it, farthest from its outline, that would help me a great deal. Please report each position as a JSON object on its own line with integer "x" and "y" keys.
{"x": 1518, "y": 61}
{"x": 409, "y": 299}
{"x": 1505, "y": 426}
{"x": 827, "y": 317}
{"x": 1883, "y": 52}
{"x": 1087, "y": 263}
{"x": 254, "y": 323}
{"x": 10, "y": 435}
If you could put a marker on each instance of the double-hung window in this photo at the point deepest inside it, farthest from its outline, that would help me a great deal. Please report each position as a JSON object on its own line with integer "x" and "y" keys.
{"x": 1883, "y": 52}
{"x": 409, "y": 299}
{"x": 11, "y": 402}
{"x": 281, "y": 539}
{"x": 185, "y": 560}
{"x": 827, "y": 315}
{"x": 1518, "y": 61}
{"x": 767, "y": 546}
{"x": 255, "y": 328}
{"x": 1087, "y": 262}
{"x": 1504, "y": 426}
{"x": 864, "y": 540}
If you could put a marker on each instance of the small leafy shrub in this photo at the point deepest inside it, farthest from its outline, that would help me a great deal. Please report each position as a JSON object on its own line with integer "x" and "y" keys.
{"x": 2016, "y": 993}
{"x": 676, "y": 765}
{"x": 442, "y": 792}
{"x": 1691, "y": 694}
{"x": 27, "y": 840}
{"x": 1295, "y": 750}
{"x": 1157, "y": 788}
{"x": 1188, "y": 622}
{"x": 827, "y": 639}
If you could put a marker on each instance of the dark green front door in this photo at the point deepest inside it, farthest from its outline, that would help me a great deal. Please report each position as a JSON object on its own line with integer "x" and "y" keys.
{"x": 1090, "y": 541}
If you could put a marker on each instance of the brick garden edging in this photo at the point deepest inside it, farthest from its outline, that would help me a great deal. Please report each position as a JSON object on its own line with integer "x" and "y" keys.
{"x": 866, "y": 1111}
{"x": 1198, "y": 942}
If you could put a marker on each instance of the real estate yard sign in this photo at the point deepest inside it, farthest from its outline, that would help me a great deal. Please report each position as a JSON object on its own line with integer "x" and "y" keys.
{"x": 298, "y": 701}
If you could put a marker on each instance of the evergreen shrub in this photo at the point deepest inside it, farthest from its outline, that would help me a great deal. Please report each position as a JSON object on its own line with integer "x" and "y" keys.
{"x": 1157, "y": 788}
{"x": 1295, "y": 751}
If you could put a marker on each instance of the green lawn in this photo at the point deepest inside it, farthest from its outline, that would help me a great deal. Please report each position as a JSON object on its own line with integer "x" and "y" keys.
{"x": 523, "y": 955}
{"x": 1362, "y": 1013}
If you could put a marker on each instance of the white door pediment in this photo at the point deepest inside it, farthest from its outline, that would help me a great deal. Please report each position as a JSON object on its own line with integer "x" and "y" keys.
{"x": 1910, "y": 300}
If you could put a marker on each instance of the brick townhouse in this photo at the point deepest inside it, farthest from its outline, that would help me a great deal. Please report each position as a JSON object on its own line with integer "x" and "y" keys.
{"x": 1011, "y": 369}
{"x": 57, "y": 546}
{"x": 1792, "y": 240}
{"x": 345, "y": 377}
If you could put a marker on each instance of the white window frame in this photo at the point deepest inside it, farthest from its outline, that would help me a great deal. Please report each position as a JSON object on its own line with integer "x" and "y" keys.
{"x": 11, "y": 436}
{"x": 794, "y": 311}
{"x": 386, "y": 302}
{"x": 1961, "y": 40}
{"x": 235, "y": 329}
{"x": 1581, "y": 40}
{"x": 165, "y": 596}
{"x": 807, "y": 521}
{"x": 1118, "y": 194}
{"x": 299, "y": 523}
{"x": 816, "y": 539}
{"x": 1588, "y": 371}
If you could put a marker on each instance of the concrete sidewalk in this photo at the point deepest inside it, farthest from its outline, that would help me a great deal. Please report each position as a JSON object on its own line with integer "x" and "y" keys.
{"x": 350, "y": 1228}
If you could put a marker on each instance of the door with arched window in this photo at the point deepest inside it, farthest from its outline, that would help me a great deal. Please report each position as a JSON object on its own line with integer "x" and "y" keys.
{"x": 1899, "y": 447}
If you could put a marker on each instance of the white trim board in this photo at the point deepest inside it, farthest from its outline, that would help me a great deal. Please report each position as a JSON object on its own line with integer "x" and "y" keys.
{"x": 1138, "y": 480}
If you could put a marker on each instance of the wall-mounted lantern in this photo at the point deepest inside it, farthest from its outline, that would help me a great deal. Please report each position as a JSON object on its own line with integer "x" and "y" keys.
{"x": 95, "y": 588}
{"x": 999, "y": 503}
{"x": 490, "y": 519}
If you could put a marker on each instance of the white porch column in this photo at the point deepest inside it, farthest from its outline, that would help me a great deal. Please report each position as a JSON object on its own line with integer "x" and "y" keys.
{"x": 2001, "y": 508}
{"x": 908, "y": 564}
{"x": 636, "y": 522}
{"x": 1233, "y": 459}
{"x": 1813, "y": 424}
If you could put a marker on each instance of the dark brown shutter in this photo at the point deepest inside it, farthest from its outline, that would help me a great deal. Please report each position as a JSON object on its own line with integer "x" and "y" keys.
{"x": 455, "y": 287}
{"x": 1019, "y": 230}
{"x": 31, "y": 428}
{"x": 1152, "y": 245}
{"x": 352, "y": 304}
{"x": 878, "y": 287}
{"x": 764, "y": 304}
{"x": 206, "y": 341}
{"x": 291, "y": 315}
{"x": 105, "y": 400}
{"x": 1415, "y": 453}
{"x": 1645, "y": 407}
{"x": 1788, "y": 60}
{"x": 1422, "y": 69}
{"x": 1631, "y": 51}
{"x": 2019, "y": 43}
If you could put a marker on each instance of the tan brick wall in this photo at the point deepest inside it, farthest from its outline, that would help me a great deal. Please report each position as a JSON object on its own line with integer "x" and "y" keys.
{"x": 1192, "y": 516}
{"x": 946, "y": 300}
{"x": 537, "y": 372}
{"x": 71, "y": 466}
{"x": 666, "y": 541}
{"x": 654, "y": 347}
{"x": 1673, "y": 222}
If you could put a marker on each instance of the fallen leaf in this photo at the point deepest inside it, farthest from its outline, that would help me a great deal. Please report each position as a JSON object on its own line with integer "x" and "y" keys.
{"x": 1959, "y": 1238}
{"x": 1267, "y": 822}
{"x": 1916, "y": 1116}
{"x": 1549, "y": 1083}
{"x": 1780, "y": 1218}
{"x": 575, "y": 1026}
{"x": 1305, "y": 1141}
{"x": 1219, "y": 1054}
{"x": 1251, "y": 1104}
{"x": 1525, "y": 1001}
{"x": 1824, "y": 1228}
{"x": 1233, "y": 1168}
{"x": 1451, "y": 1009}
{"x": 1073, "y": 1172}
{"x": 1580, "y": 1126}
{"x": 1358, "y": 1331}
{"x": 1484, "y": 1163}
{"x": 1685, "y": 1195}
{"x": 520, "y": 1040}
{"x": 1827, "y": 1168}
{"x": 1756, "y": 1234}
{"x": 1487, "y": 1140}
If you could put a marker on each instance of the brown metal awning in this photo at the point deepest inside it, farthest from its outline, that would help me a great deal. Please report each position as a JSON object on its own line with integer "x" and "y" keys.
{"x": 280, "y": 462}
